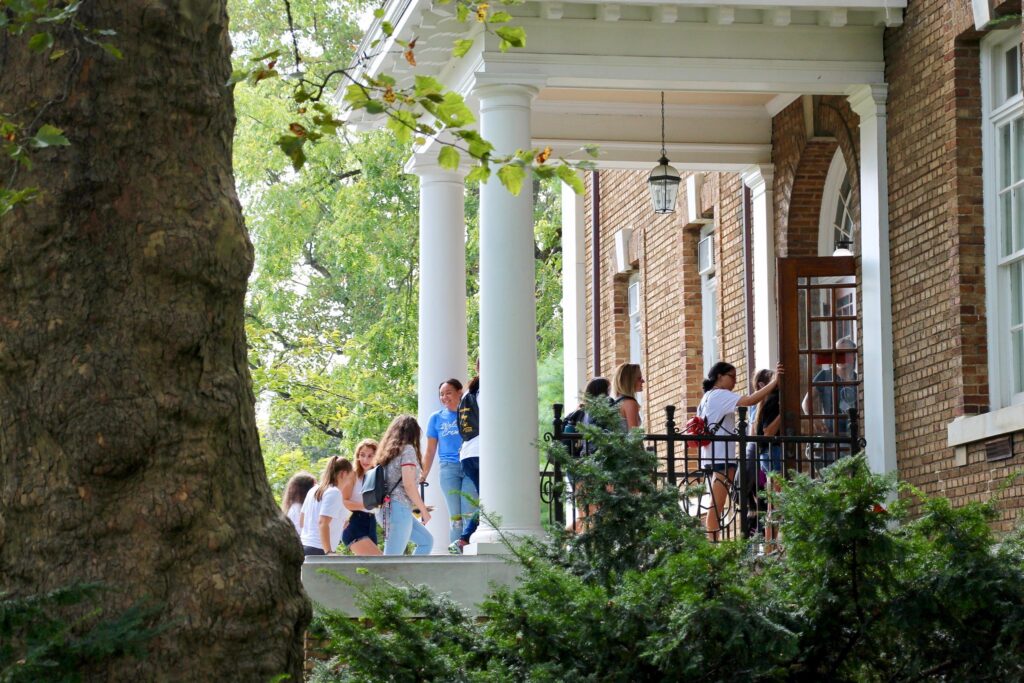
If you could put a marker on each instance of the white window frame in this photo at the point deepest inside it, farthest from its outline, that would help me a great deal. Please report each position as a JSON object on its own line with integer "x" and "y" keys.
{"x": 997, "y": 285}
{"x": 709, "y": 301}
{"x": 633, "y": 307}
{"x": 837, "y": 171}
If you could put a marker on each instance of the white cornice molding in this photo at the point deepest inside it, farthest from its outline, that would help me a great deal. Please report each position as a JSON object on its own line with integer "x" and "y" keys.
{"x": 780, "y": 102}
{"x": 673, "y": 111}
{"x": 868, "y": 100}
{"x": 732, "y": 158}
{"x": 759, "y": 178}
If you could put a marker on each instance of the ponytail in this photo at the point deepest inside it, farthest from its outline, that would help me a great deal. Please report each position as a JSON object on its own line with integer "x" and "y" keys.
{"x": 335, "y": 466}
{"x": 717, "y": 370}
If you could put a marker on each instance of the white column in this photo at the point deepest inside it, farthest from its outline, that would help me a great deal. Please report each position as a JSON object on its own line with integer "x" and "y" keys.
{"x": 574, "y": 315}
{"x": 442, "y": 310}
{"x": 766, "y": 314}
{"x": 879, "y": 402}
{"x": 509, "y": 463}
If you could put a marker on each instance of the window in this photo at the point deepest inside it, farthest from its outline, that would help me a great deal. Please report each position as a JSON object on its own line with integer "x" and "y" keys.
{"x": 634, "y": 318}
{"x": 708, "y": 296}
{"x": 1003, "y": 159}
{"x": 835, "y": 225}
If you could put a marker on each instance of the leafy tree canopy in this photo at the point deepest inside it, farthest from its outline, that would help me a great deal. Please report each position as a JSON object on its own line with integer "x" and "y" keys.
{"x": 332, "y": 303}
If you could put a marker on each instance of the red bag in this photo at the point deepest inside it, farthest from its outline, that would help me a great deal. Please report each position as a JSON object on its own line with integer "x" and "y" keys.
{"x": 697, "y": 427}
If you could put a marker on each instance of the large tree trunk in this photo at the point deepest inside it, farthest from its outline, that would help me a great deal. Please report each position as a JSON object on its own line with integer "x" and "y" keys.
{"x": 128, "y": 447}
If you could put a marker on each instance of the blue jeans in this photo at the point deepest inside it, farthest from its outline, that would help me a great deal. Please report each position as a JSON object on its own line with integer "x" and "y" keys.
{"x": 456, "y": 485}
{"x": 471, "y": 466}
{"x": 402, "y": 528}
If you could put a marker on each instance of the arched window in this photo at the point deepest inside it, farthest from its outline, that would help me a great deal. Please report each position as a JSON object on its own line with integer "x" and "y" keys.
{"x": 836, "y": 224}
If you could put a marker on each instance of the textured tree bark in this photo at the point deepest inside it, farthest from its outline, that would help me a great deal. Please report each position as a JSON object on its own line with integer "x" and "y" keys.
{"x": 128, "y": 447}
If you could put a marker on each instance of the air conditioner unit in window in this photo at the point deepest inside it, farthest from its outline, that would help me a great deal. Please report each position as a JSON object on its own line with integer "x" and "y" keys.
{"x": 622, "y": 238}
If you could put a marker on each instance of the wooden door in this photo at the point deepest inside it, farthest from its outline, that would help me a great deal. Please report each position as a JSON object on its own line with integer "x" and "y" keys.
{"x": 818, "y": 340}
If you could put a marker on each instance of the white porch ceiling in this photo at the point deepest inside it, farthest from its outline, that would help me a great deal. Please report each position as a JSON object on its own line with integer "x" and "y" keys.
{"x": 599, "y": 67}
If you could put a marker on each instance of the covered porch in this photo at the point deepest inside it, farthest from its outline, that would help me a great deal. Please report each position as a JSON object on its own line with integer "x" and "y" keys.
{"x": 592, "y": 73}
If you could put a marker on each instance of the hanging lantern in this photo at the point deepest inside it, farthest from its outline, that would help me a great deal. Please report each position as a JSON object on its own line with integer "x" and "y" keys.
{"x": 664, "y": 180}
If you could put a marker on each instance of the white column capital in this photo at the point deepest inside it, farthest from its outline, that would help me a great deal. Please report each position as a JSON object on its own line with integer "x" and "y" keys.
{"x": 424, "y": 164}
{"x": 759, "y": 178}
{"x": 495, "y": 95}
{"x": 868, "y": 100}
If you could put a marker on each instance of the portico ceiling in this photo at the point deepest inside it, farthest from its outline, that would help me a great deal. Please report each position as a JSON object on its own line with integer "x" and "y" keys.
{"x": 599, "y": 67}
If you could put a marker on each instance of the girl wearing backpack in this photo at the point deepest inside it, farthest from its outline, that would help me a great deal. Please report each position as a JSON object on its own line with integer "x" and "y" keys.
{"x": 360, "y": 534}
{"x": 718, "y": 410}
{"x": 399, "y": 456}
{"x": 469, "y": 454}
{"x": 323, "y": 513}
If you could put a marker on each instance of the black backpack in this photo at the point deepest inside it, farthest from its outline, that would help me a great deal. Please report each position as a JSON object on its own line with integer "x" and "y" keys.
{"x": 469, "y": 417}
{"x": 571, "y": 420}
{"x": 375, "y": 490}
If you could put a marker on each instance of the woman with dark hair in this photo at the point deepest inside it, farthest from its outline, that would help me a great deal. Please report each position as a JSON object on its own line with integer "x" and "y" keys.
{"x": 469, "y": 454}
{"x": 718, "y": 409}
{"x": 628, "y": 382}
{"x": 399, "y": 455}
{"x": 294, "y": 495}
{"x": 360, "y": 533}
{"x": 443, "y": 438}
{"x": 323, "y": 513}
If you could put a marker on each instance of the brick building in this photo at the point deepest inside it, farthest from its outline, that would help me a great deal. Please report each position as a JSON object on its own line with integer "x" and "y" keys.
{"x": 957, "y": 358}
{"x": 893, "y": 128}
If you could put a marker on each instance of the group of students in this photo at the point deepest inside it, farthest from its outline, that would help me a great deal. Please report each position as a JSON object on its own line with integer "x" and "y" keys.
{"x": 332, "y": 512}
{"x": 717, "y": 409}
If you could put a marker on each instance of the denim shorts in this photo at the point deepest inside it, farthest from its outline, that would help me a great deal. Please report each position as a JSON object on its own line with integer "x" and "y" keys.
{"x": 771, "y": 459}
{"x": 360, "y": 525}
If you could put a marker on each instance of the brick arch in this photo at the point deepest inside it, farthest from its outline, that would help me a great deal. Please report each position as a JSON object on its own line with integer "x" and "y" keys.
{"x": 806, "y": 195}
{"x": 834, "y": 117}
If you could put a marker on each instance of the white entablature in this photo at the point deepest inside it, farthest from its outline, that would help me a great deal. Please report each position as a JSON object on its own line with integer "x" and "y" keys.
{"x": 683, "y": 47}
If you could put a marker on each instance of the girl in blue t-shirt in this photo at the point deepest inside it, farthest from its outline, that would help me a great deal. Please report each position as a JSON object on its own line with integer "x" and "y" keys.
{"x": 443, "y": 439}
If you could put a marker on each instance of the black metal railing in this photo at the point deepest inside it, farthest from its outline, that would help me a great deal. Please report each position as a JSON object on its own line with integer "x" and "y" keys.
{"x": 722, "y": 485}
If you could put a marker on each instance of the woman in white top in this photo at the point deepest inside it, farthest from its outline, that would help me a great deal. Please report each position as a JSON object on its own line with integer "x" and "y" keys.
{"x": 399, "y": 455}
{"x": 360, "y": 534}
{"x": 294, "y": 495}
{"x": 718, "y": 408}
{"x": 323, "y": 514}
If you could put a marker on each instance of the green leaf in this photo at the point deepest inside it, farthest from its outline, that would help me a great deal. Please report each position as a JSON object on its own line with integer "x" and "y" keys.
{"x": 292, "y": 146}
{"x": 511, "y": 36}
{"x": 273, "y": 54}
{"x": 478, "y": 147}
{"x": 479, "y": 174}
{"x": 425, "y": 86}
{"x": 448, "y": 157}
{"x": 402, "y": 124}
{"x": 500, "y": 18}
{"x": 569, "y": 176}
{"x": 50, "y": 136}
{"x": 512, "y": 177}
{"x": 112, "y": 50}
{"x": 592, "y": 150}
{"x": 40, "y": 42}
{"x": 453, "y": 112}
{"x": 387, "y": 28}
{"x": 462, "y": 12}
{"x": 57, "y": 54}
{"x": 462, "y": 46}
{"x": 378, "y": 13}
{"x": 237, "y": 76}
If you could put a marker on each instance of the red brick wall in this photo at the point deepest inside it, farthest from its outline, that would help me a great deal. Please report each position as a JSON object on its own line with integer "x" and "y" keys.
{"x": 670, "y": 289}
{"x": 936, "y": 248}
